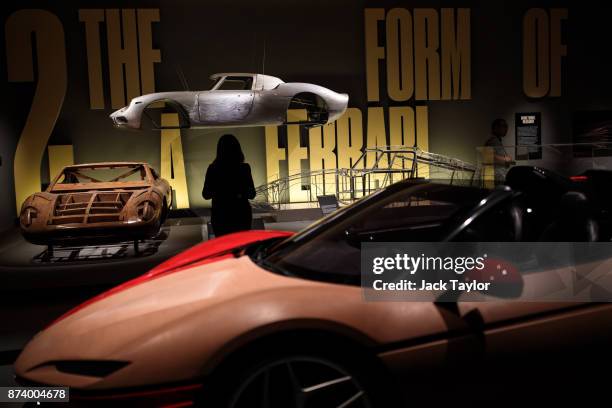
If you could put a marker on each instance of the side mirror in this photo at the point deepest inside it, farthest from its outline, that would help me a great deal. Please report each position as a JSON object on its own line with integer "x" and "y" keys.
{"x": 505, "y": 279}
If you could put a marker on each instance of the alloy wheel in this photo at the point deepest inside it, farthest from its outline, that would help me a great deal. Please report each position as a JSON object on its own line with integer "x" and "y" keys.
{"x": 300, "y": 382}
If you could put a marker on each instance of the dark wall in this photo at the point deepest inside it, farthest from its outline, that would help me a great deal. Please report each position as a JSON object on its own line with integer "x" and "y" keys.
{"x": 7, "y": 147}
{"x": 316, "y": 41}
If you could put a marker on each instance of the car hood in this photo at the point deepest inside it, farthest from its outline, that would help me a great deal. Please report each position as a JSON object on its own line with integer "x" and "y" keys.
{"x": 174, "y": 326}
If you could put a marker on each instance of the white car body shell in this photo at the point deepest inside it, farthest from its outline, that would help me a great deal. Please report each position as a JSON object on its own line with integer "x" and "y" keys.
{"x": 266, "y": 103}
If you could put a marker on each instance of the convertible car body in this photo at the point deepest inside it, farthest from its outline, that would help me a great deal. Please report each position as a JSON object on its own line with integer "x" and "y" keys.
{"x": 272, "y": 319}
{"x": 97, "y": 202}
{"x": 239, "y": 99}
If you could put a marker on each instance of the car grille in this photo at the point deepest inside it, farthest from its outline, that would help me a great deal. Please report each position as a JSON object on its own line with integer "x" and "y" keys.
{"x": 88, "y": 208}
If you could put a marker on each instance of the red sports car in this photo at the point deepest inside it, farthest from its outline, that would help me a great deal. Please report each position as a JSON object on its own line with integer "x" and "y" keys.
{"x": 271, "y": 319}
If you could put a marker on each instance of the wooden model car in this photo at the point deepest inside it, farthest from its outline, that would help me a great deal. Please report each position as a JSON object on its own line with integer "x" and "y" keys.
{"x": 97, "y": 202}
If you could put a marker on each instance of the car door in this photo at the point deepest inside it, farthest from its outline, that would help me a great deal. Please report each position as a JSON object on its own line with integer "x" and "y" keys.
{"x": 544, "y": 343}
{"x": 228, "y": 103}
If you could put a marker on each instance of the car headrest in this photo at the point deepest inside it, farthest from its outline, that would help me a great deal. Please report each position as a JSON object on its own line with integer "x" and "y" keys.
{"x": 574, "y": 202}
{"x": 573, "y": 222}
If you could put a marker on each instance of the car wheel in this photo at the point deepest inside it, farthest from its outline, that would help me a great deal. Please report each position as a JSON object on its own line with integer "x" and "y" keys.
{"x": 296, "y": 381}
{"x": 301, "y": 382}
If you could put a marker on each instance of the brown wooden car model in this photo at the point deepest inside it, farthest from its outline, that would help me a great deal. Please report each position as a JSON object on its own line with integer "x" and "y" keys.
{"x": 100, "y": 202}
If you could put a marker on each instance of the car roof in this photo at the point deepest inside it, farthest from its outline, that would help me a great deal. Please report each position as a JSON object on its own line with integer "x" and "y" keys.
{"x": 224, "y": 74}
{"x": 106, "y": 164}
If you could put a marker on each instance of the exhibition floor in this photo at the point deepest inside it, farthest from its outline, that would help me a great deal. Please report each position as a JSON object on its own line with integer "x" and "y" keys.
{"x": 36, "y": 287}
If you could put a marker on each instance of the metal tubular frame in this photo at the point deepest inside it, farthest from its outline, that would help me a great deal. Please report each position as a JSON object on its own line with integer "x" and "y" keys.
{"x": 361, "y": 180}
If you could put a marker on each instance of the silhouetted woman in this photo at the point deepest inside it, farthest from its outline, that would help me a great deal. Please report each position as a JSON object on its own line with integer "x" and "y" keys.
{"x": 230, "y": 185}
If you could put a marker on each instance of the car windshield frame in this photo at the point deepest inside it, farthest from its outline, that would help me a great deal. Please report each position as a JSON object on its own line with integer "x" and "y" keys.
{"x": 273, "y": 254}
{"x": 234, "y": 78}
{"x": 76, "y": 171}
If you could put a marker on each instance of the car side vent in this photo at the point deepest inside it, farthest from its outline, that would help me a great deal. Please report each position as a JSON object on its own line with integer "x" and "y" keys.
{"x": 89, "y": 368}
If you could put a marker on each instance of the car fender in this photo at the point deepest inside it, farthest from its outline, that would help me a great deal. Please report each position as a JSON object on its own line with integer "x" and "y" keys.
{"x": 336, "y": 103}
{"x": 43, "y": 203}
{"x": 183, "y": 319}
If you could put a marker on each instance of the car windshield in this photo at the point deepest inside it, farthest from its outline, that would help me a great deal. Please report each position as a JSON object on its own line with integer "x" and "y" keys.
{"x": 234, "y": 83}
{"x": 103, "y": 174}
{"x": 330, "y": 249}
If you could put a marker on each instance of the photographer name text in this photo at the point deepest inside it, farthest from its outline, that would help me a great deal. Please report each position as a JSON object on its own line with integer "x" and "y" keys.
{"x": 441, "y": 285}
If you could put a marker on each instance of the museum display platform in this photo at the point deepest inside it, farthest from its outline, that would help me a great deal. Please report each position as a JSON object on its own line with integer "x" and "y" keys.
{"x": 36, "y": 287}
